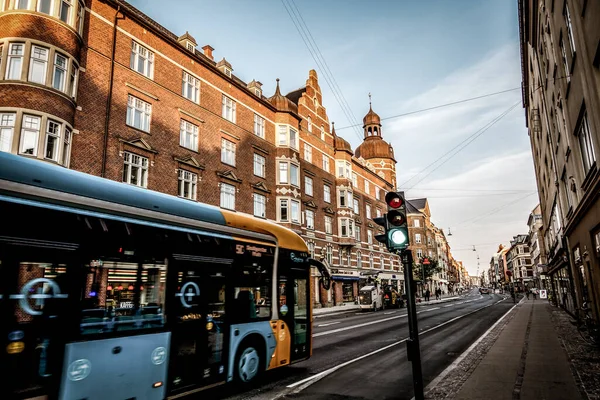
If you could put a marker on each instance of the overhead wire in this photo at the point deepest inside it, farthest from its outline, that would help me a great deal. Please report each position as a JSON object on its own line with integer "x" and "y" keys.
{"x": 458, "y": 147}
{"x": 317, "y": 56}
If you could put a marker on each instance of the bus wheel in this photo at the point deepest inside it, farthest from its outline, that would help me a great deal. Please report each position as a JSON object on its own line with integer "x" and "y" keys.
{"x": 248, "y": 363}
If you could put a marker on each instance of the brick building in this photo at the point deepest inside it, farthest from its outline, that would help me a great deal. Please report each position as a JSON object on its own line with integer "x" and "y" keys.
{"x": 560, "y": 65}
{"x": 99, "y": 87}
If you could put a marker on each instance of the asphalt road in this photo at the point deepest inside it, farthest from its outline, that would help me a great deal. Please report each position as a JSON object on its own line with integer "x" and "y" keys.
{"x": 362, "y": 355}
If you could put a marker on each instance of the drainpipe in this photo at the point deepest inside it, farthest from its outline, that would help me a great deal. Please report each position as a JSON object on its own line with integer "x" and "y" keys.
{"x": 110, "y": 90}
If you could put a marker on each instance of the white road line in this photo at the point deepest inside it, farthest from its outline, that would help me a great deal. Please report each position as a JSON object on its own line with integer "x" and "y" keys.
{"x": 331, "y": 323}
{"x": 357, "y": 326}
{"x": 459, "y": 359}
{"x": 390, "y": 312}
{"x": 449, "y": 305}
{"x": 304, "y": 383}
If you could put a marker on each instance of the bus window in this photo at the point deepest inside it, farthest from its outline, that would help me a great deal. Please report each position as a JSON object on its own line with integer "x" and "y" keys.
{"x": 252, "y": 292}
{"x": 122, "y": 296}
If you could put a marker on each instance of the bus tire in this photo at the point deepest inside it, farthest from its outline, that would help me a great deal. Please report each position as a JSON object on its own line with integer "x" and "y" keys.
{"x": 249, "y": 361}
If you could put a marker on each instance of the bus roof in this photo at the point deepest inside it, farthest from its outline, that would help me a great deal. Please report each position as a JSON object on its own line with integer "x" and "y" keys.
{"x": 48, "y": 176}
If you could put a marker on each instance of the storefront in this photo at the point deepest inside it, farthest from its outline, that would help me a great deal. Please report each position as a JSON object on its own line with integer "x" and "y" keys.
{"x": 346, "y": 285}
{"x": 396, "y": 280}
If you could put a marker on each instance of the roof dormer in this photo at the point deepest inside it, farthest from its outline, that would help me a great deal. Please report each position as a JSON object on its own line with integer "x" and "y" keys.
{"x": 225, "y": 67}
{"x": 188, "y": 41}
{"x": 255, "y": 87}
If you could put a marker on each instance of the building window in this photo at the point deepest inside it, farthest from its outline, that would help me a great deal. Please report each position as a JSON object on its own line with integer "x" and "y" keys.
{"x": 308, "y": 186}
{"x": 357, "y": 233}
{"x": 325, "y": 163}
{"x": 52, "y": 145}
{"x": 327, "y": 193}
{"x": 289, "y": 210}
{"x": 378, "y": 212}
{"x": 288, "y": 173}
{"x": 380, "y": 262}
{"x": 328, "y": 225}
{"x": 309, "y": 124}
{"x": 228, "y": 109}
{"x": 80, "y": 18}
{"x": 287, "y": 136}
{"x": 585, "y": 143}
{"x": 322, "y": 132}
{"x": 567, "y": 16}
{"x": 345, "y": 198}
{"x": 354, "y": 180}
{"x": 142, "y": 60}
{"x": 15, "y": 60}
{"x": 308, "y": 153}
{"x": 367, "y": 187}
{"x": 310, "y": 219}
{"x": 260, "y": 205}
{"x": 419, "y": 254}
{"x": 329, "y": 254}
{"x": 227, "y": 196}
{"x": 355, "y": 206}
{"x": 283, "y": 172}
{"x": 187, "y": 184}
{"x": 22, "y": 4}
{"x": 311, "y": 249}
{"x": 417, "y": 238}
{"x": 189, "y": 46}
{"x": 188, "y": 135}
{"x": 344, "y": 169}
{"x": 7, "y": 128}
{"x": 284, "y": 210}
{"x": 259, "y": 126}
{"x": 371, "y": 261}
{"x": 65, "y": 11}
{"x": 377, "y": 193}
{"x": 259, "y": 165}
{"x": 38, "y": 65}
{"x": 67, "y": 147}
{"x": 358, "y": 259}
{"x": 564, "y": 59}
{"x": 30, "y": 133}
{"x": 138, "y": 113}
{"x": 135, "y": 170}
{"x": 295, "y": 211}
{"x": 190, "y": 87}
{"x": 346, "y": 227}
{"x": 368, "y": 211}
{"x": 416, "y": 223}
{"x": 45, "y": 6}
{"x": 74, "y": 77}
{"x": 369, "y": 236}
{"x": 227, "y": 152}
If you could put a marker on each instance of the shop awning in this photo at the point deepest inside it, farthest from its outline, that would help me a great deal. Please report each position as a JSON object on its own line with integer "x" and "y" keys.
{"x": 345, "y": 278}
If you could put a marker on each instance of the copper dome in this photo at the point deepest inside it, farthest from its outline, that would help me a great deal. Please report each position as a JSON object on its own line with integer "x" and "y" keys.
{"x": 374, "y": 147}
{"x": 339, "y": 143}
{"x": 371, "y": 118}
{"x": 282, "y": 103}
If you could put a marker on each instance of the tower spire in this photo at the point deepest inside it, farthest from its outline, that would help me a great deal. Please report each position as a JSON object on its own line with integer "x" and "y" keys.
{"x": 370, "y": 101}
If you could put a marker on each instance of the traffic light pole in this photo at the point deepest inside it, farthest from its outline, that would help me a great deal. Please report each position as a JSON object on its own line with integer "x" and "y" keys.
{"x": 412, "y": 344}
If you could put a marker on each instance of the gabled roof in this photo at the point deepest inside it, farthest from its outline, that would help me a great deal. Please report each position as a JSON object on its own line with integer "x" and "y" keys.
{"x": 419, "y": 203}
{"x": 411, "y": 209}
{"x": 296, "y": 94}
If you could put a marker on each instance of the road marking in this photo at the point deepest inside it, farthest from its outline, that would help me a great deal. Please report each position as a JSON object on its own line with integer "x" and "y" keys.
{"x": 331, "y": 323}
{"x": 306, "y": 382}
{"x": 429, "y": 309}
{"x": 459, "y": 359}
{"x": 357, "y": 326}
{"x": 390, "y": 312}
{"x": 449, "y": 305}
{"x": 460, "y": 302}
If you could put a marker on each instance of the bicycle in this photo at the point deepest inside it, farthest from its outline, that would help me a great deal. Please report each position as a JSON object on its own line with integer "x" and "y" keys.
{"x": 588, "y": 329}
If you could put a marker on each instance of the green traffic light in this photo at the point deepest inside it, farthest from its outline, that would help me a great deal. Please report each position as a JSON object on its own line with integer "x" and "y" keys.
{"x": 398, "y": 237}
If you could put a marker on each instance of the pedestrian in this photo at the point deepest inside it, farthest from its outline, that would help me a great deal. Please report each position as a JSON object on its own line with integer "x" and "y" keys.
{"x": 527, "y": 294}
{"x": 427, "y": 294}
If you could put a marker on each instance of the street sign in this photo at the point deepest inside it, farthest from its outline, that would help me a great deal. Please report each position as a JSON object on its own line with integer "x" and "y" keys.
{"x": 543, "y": 294}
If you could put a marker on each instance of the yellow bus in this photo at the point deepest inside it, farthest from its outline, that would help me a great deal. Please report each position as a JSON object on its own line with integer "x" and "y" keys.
{"x": 110, "y": 291}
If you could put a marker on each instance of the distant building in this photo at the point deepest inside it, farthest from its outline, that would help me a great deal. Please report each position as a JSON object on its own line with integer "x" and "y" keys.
{"x": 536, "y": 246}
{"x": 560, "y": 65}
{"x": 519, "y": 262}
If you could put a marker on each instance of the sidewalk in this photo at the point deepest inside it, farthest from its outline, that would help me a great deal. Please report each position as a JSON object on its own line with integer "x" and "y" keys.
{"x": 525, "y": 362}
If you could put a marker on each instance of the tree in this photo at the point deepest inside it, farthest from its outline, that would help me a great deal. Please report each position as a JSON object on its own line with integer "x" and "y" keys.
{"x": 427, "y": 269}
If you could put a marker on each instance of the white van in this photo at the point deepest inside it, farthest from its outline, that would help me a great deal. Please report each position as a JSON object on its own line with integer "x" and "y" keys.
{"x": 370, "y": 298}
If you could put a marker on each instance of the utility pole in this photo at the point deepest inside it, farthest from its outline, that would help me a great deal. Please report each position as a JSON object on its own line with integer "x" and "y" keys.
{"x": 413, "y": 349}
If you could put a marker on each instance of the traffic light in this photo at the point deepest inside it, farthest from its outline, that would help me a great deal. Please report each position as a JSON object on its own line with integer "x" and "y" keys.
{"x": 397, "y": 223}
{"x": 383, "y": 238}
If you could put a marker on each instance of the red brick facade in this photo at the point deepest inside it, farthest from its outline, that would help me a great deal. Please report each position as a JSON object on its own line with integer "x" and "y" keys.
{"x": 100, "y": 142}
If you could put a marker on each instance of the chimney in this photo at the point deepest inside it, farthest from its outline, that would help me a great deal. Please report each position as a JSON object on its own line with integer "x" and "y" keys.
{"x": 208, "y": 51}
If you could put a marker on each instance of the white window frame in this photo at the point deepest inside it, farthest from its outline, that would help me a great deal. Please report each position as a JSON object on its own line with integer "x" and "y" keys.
{"x": 295, "y": 211}
{"x": 378, "y": 212}
{"x": 66, "y": 150}
{"x": 53, "y": 135}
{"x": 326, "y": 193}
{"x": 137, "y": 106}
{"x": 323, "y": 132}
{"x": 7, "y": 130}
{"x": 287, "y": 137}
{"x": 309, "y": 124}
{"x": 19, "y": 2}
{"x": 357, "y": 232}
{"x": 569, "y": 29}
{"x": 416, "y": 223}
{"x": 39, "y": 60}
{"x": 368, "y": 211}
{"x": 586, "y": 144}
{"x": 133, "y": 161}
{"x": 189, "y": 180}
{"x": 325, "y": 163}
{"x": 369, "y": 236}
{"x": 227, "y": 198}
{"x": 259, "y": 163}
{"x": 346, "y": 227}
{"x": 288, "y": 173}
{"x": 228, "y": 150}
{"x": 367, "y": 187}
{"x": 359, "y": 259}
{"x": 228, "y": 108}
{"x": 39, "y": 7}
{"x": 20, "y": 56}
{"x": 69, "y": 9}
{"x": 188, "y": 135}
{"x": 73, "y": 80}
{"x": 260, "y": 205}
{"x": 190, "y": 87}
{"x": 80, "y": 18}
{"x": 143, "y": 54}
{"x": 310, "y": 219}
{"x": 30, "y": 125}
{"x": 328, "y": 225}
{"x": 283, "y": 204}
{"x": 356, "y": 206}
{"x": 259, "y": 126}
{"x": 344, "y": 169}
{"x": 308, "y": 152}
{"x": 308, "y": 186}
{"x": 355, "y": 179}
{"x": 417, "y": 238}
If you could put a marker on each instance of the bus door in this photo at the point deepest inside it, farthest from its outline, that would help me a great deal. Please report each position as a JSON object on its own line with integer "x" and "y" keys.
{"x": 294, "y": 300}
{"x": 197, "y": 311}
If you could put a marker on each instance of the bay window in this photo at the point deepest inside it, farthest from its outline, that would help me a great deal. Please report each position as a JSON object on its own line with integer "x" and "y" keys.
{"x": 64, "y": 13}
{"x": 289, "y": 173}
{"x": 344, "y": 169}
{"x": 289, "y": 210}
{"x": 15, "y": 60}
{"x": 30, "y": 133}
{"x": 345, "y": 198}
{"x": 38, "y": 65}
{"x": 346, "y": 227}
{"x": 52, "y": 144}
{"x": 60, "y": 72}
{"x": 287, "y": 136}
{"x": 7, "y": 128}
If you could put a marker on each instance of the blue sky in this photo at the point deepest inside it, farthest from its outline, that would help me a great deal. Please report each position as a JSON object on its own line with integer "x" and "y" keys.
{"x": 409, "y": 55}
